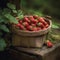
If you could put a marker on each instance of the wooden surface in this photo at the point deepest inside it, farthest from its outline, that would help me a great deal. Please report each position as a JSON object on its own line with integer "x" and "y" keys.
{"x": 37, "y": 53}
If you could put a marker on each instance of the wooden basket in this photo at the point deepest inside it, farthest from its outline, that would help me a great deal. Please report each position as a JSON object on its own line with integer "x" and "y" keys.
{"x": 28, "y": 38}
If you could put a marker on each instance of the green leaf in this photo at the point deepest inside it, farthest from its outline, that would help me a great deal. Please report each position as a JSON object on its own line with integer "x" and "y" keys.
{"x": 55, "y": 26}
{"x": 4, "y": 28}
{"x": 20, "y": 14}
{"x": 11, "y": 6}
{"x": 2, "y": 44}
{"x": 6, "y": 10}
{"x": 14, "y": 11}
{"x": 1, "y": 19}
{"x": 11, "y": 18}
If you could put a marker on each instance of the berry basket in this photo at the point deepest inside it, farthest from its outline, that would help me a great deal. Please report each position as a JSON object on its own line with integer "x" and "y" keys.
{"x": 30, "y": 38}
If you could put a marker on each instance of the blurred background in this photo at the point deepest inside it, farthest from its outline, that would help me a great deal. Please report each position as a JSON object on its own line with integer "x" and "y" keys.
{"x": 48, "y": 7}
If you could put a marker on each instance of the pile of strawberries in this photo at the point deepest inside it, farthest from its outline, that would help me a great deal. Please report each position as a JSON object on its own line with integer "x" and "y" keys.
{"x": 32, "y": 23}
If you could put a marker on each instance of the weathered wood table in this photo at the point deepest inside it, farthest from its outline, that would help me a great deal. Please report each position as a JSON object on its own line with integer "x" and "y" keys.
{"x": 44, "y": 53}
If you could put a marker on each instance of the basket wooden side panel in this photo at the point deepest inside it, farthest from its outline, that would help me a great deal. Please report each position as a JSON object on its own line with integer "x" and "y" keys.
{"x": 26, "y": 41}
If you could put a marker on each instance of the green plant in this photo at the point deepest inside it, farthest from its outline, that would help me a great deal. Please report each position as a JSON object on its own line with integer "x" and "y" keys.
{"x": 6, "y": 17}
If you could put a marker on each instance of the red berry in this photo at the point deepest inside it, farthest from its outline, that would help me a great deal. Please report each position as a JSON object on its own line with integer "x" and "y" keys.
{"x": 38, "y": 28}
{"x": 18, "y": 24}
{"x": 40, "y": 19}
{"x": 20, "y": 21}
{"x": 35, "y": 21}
{"x": 30, "y": 17}
{"x": 21, "y": 27}
{"x": 29, "y": 28}
{"x": 43, "y": 28}
{"x": 33, "y": 25}
{"x": 40, "y": 25}
{"x": 25, "y": 24}
{"x": 34, "y": 28}
{"x": 35, "y": 16}
{"x": 26, "y": 19}
{"x": 49, "y": 44}
{"x": 46, "y": 25}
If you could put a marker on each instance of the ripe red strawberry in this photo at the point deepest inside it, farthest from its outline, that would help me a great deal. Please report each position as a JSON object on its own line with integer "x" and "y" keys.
{"x": 30, "y": 17}
{"x": 35, "y": 16}
{"x": 46, "y": 25}
{"x": 43, "y": 28}
{"x": 34, "y": 28}
{"x": 41, "y": 19}
{"x": 18, "y": 24}
{"x": 38, "y": 28}
{"x": 21, "y": 27}
{"x": 29, "y": 28}
{"x": 26, "y": 19}
{"x": 49, "y": 44}
{"x": 20, "y": 21}
{"x": 40, "y": 25}
{"x": 35, "y": 21}
{"x": 33, "y": 25}
{"x": 25, "y": 24}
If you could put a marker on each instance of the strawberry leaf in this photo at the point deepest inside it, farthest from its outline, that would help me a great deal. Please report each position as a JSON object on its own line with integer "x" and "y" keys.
{"x": 4, "y": 28}
{"x": 11, "y": 6}
{"x": 2, "y": 44}
{"x": 55, "y": 26}
{"x": 20, "y": 14}
{"x": 11, "y": 18}
{"x": 14, "y": 11}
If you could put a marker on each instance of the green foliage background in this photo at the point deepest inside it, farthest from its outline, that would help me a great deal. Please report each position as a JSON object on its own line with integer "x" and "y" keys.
{"x": 51, "y": 7}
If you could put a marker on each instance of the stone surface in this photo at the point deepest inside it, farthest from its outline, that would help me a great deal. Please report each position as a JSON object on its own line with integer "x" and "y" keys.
{"x": 43, "y": 53}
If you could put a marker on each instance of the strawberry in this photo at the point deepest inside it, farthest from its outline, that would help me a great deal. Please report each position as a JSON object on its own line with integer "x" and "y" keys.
{"x": 33, "y": 25}
{"x": 29, "y": 28}
{"x": 49, "y": 44}
{"x": 18, "y": 24}
{"x": 46, "y": 25}
{"x": 34, "y": 28}
{"x": 38, "y": 28}
{"x": 41, "y": 20}
{"x": 21, "y": 27}
{"x": 40, "y": 25}
{"x": 43, "y": 28}
{"x": 25, "y": 24}
{"x": 30, "y": 17}
{"x": 26, "y": 19}
{"x": 20, "y": 21}
{"x": 35, "y": 16}
{"x": 34, "y": 20}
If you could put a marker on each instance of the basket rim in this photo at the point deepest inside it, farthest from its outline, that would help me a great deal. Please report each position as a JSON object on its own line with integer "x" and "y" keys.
{"x": 32, "y": 33}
